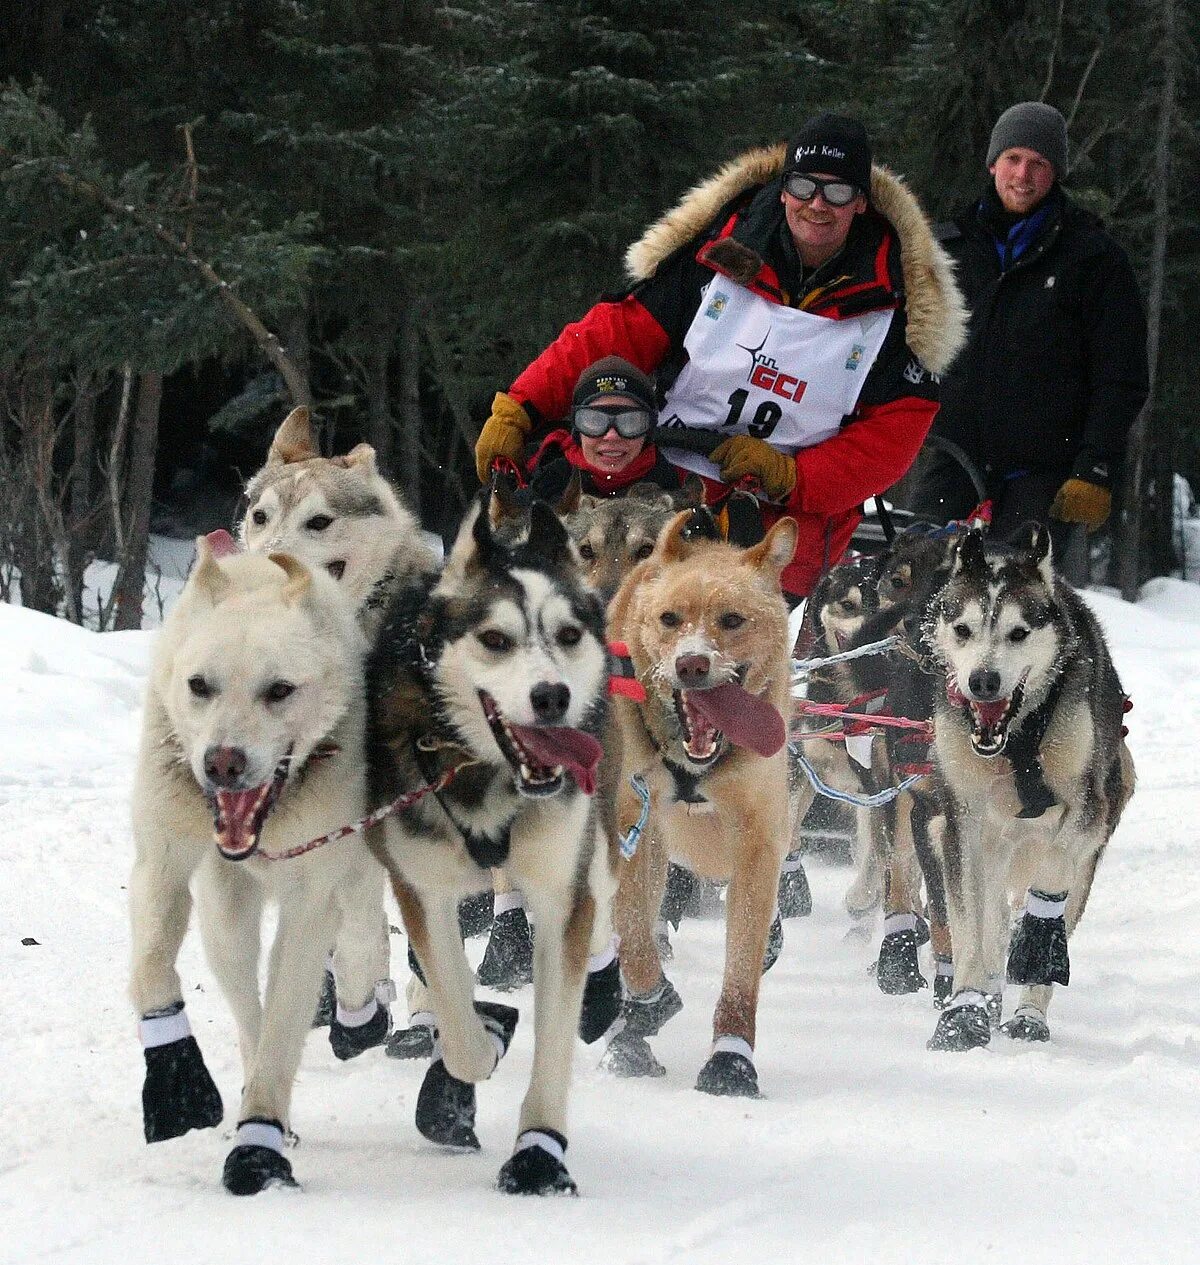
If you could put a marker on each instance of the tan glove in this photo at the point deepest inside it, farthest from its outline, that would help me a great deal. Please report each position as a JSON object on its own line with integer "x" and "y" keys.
{"x": 1079, "y": 501}
{"x": 503, "y": 435}
{"x": 743, "y": 455}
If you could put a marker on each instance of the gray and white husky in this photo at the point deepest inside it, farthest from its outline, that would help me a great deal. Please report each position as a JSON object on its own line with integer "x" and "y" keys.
{"x": 1034, "y": 774}
{"x": 252, "y": 743}
{"x": 338, "y": 514}
{"x": 499, "y": 670}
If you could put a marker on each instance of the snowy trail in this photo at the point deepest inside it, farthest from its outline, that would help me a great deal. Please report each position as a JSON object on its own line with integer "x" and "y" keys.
{"x": 865, "y": 1146}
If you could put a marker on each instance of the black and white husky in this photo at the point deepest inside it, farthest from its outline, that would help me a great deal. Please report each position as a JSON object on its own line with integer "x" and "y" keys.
{"x": 498, "y": 668}
{"x": 1034, "y": 774}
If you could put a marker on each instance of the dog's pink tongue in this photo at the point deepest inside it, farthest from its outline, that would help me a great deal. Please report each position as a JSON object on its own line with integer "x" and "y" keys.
{"x": 577, "y": 752}
{"x": 222, "y": 543}
{"x": 235, "y": 823}
{"x": 744, "y": 718}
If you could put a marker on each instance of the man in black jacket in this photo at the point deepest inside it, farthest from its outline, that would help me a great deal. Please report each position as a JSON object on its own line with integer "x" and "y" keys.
{"x": 1054, "y": 371}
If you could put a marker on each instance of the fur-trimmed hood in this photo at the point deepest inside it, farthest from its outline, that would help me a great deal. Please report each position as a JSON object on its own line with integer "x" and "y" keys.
{"x": 936, "y": 313}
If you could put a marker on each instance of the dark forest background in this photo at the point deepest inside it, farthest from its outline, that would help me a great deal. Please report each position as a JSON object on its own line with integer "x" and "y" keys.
{"x": 211, "y": 212}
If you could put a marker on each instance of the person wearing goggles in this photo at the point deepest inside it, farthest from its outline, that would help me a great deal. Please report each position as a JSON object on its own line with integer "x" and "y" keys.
{"x": 610, "y": 440}
{"x": 797, "y": 306}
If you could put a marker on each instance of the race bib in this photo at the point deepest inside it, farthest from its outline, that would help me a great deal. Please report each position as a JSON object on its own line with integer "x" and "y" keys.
{"x": 776, "y": 373}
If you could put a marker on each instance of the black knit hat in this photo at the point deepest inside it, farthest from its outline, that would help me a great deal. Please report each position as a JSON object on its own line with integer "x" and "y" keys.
{"x": 614, "y": 376}
{"x": 833, "y": 144}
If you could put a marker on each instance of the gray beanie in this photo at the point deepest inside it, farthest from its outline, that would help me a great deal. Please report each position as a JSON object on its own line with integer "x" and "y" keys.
{"x": 1031, "y": 125}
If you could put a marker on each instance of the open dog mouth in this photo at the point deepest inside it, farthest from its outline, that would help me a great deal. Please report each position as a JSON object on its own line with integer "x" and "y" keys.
{"x": 989, "y": 718}
{"x": 543, "y": 756}
{"x": 239, "y": 816}
{"x": 729, "y": 712}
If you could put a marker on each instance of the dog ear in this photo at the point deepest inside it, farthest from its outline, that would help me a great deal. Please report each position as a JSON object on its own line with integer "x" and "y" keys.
{"x": 466, "y": 547}
{"x": 677, "y": 537}
{"x": 569, "y": 498}
{"x": 546, "y": 533}
{"x": 207, "y": 576}
{"x": 299, "y": 578}
{"x": 968, "y": 553}
{"x": 294, "y": 439}
{"x": 776, "y": 549}
{"x": 502, "y": 504}
{"x": 361, "y": 455}
{"x": 1039, "y": 551}
{"x": 691, "y": 493}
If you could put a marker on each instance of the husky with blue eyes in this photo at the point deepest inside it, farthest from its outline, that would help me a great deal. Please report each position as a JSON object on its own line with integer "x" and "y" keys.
{"x": 495, "y": 673}
{"x": 1033, "y": 774}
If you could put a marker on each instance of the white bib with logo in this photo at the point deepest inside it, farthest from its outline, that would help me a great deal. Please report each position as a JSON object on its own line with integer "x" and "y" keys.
{"x": 757, "y": 368}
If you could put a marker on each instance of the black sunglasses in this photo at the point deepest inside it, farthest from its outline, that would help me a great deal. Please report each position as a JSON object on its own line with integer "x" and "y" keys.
{"x": 595, "y": 420}
{"x": 835, "y": 192}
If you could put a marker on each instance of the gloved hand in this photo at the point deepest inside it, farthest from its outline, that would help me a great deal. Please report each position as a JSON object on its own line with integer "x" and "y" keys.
{"x": 503, "y": 435}
{"x": 1079, "y": 501}
{"x": 743, "y": 455}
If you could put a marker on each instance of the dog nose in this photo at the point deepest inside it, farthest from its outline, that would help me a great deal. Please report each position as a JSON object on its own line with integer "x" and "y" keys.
{"x": 550, "y": 702}
{"x": 692, "y": 669}
{"x": 224, "y": 766}
{"x": 984, "y": 684}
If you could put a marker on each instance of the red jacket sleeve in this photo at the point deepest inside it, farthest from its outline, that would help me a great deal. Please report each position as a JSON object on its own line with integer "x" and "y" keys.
{"x": 863, "y": 459}
{"x": 622, "y": 328}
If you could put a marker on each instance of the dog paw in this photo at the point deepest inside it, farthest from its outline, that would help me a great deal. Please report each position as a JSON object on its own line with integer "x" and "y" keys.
{"x": 178, "y": 1093}
{"x": 774, "y": 945}
{"x": 962, "y": 1026}
{"x": 646, "y": 1014}
{"x": 601, "y": 1002}
{"x": 446, "y": 1109}
{"x": 536, "y": 1167}
{"x": 508, "y": 959}
{"x": 349, "y": 1042}
{"x": 1026, "y": 1025}
{"x": 729, "y": 1075}
{"x": 630, "y": 1055}
{"x": 253, "y": 1165}
{"x": 795, "y": 896}
{"x": 898, "y": 970}
{"x": 410, "y": 1043}
{"x": 327, "y": 1003}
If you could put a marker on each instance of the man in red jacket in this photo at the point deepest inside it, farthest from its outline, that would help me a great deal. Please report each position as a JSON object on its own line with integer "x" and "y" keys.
{"x": 797, "y": 304}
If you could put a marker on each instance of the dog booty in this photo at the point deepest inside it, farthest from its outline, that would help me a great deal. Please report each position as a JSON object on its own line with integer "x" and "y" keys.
{"x": 537, "y": 1167}
{"x": 601, "y": 995}
{"x": 257, "y": 1161}
{"x": 508, "y": 959}
{"x": 1038, "y": 951}
{"x": 178, "y": 1093}
{"x": 774, "y": 944}
{"x": 353, "y": 1031}
{"x": 475, "y": 914}
{"x": 963, "y": 1025}
{"x": 446, "y": 1109}
{"x": 795, "y": 896}
{"x": 729, "y": 1072}
{"x": 898, "y": 970}
{"x": 327, "y": 1002}
{"x": 646, "y": 1014}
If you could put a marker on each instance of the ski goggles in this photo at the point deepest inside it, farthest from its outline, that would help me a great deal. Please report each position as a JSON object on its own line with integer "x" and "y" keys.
{"x": 595, "y": 420}
{"x": 835, "y": 192}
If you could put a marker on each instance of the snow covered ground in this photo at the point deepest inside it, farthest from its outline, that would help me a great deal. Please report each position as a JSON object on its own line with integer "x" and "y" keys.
{"x": 866, "y": 1146}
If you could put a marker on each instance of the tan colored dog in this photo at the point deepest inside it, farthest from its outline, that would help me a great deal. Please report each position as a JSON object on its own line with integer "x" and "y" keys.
{"x": 706, "y": 628}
